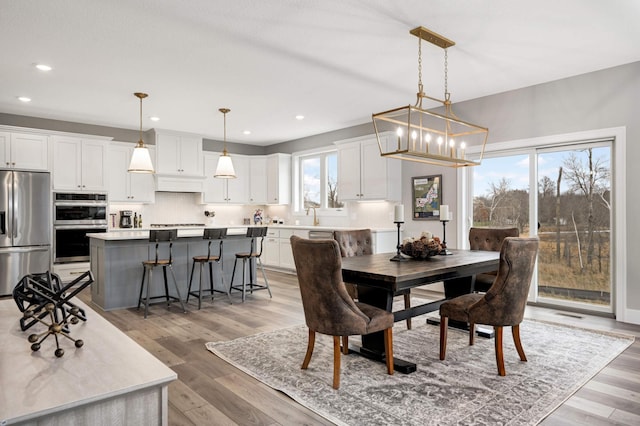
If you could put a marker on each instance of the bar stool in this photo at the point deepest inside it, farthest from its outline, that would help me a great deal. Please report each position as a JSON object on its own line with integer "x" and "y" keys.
{"x": 210, "y": 234}
{"x": 252, "y": 258}
{"x": 158, "y": 237}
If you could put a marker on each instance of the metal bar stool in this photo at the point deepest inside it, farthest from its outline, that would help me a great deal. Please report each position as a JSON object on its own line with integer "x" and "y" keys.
{"x": 252, "y": 259}
{"x": 210, "y": 234}
{"x": 158, "y": 237}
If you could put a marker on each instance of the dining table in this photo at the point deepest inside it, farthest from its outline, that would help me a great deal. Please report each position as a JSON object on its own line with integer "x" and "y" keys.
{"x": 379, "y": 279}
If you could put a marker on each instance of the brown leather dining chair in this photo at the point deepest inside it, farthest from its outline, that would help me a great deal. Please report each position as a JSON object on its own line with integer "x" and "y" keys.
{"x": 359, "y": 242}
{"x": 503, "y": 304}
{"x": 328, "y": 308}
{"x": 488, "y": 239}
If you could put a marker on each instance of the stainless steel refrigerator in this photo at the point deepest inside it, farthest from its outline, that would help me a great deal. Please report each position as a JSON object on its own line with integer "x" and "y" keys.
{"x": 25, "y": 226}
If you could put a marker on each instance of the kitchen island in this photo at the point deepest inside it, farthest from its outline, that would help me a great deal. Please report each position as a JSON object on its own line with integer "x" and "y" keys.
{"x": 116, "y": 258}
{"x": 109, "y": 380}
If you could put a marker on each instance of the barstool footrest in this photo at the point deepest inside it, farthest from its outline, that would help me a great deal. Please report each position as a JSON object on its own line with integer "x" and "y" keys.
{"x": 143, "y": 301}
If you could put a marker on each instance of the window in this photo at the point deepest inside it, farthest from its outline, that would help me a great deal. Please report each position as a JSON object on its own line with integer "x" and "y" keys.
{"x": 318, "y": 181}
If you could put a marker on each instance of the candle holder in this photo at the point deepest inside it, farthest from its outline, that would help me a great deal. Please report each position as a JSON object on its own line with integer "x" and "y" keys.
{"x": 398, "y": 257}
{"x": 444, "y": 250}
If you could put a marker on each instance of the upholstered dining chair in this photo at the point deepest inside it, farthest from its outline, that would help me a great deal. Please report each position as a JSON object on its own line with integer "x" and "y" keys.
{"x": 359, "y": 242}
{"x": 503, "y": 304}
{"x": 488, "y": 239}
{"x": 328, "y": 308}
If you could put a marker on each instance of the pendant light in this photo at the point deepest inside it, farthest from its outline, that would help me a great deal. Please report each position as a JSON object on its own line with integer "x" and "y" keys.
{"x": 225, "y": 166}
{"x": 433, "y": 137}
{"x": 141, "y": 159}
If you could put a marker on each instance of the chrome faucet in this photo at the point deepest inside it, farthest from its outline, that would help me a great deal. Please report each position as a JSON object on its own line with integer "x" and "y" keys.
{"x": 316, "y": 222}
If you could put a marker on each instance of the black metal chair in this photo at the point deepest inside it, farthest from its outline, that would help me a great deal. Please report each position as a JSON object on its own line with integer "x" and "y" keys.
{"x": 158, "y": 237}
{"x": 210, "y": 234}
{"x": 252, "y": 260}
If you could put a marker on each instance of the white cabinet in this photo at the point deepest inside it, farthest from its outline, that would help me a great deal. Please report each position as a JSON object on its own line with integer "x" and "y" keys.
{"x": 125, "y": 186}
{"x": 178, "y": 154}
{"x": 79, "y": 164}
{"x": 278, "y": 179}
{"x": 364, "y": 174}
{"x": 258, "y": 179}
{"x": 24, "y": 151}
{"x": 227, "y": 191}
{"x": 277, "y": 247}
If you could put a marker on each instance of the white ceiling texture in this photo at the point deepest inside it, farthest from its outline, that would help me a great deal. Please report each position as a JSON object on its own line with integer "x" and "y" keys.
{"x": 334, "y": 61}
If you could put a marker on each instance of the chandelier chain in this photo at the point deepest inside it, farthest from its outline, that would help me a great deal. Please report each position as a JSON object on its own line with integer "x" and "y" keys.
{"x": 419, "y": 64}
{"x": 446, "y": 72}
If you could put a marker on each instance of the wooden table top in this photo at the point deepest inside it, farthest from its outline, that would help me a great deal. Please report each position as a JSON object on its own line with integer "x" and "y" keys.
{"x": 378, "y": 271}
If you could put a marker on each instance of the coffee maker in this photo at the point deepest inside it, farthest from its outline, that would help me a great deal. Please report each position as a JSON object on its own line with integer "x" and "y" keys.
{"x": 126, "y": 220}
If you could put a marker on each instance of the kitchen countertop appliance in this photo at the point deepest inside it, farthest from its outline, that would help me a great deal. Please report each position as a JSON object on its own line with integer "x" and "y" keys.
{"x": 25, "y": 226}
{"x": 126, "y": 219}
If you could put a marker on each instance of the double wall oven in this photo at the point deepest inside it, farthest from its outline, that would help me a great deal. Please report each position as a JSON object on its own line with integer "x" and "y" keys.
{"x": 74, "y": 216}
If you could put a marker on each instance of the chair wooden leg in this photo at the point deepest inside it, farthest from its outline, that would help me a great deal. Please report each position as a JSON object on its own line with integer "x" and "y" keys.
{"x": 388, "y": 349}
{"x": 472, "y": 333}
{"x": 499, "y": 353}
{"x": 310, "y": 344}
{"x": 444, "y": 324}
{"x": 345, "y": 345}
{"x": 336, "y": 362}
{"x": 407, "y": 305}
{"x": 515, "y": 331}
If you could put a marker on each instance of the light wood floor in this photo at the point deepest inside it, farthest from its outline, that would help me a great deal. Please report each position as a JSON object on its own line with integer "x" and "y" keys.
{"x": 211, "y": 392}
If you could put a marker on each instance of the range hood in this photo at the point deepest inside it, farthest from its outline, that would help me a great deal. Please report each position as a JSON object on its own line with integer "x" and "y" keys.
{"x": 179, "y": 184}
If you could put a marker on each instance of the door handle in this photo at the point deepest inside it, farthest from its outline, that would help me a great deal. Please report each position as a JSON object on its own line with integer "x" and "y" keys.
{"x": 3, "y": 223}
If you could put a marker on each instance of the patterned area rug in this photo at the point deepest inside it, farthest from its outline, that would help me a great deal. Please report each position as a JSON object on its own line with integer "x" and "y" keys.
{"x": 463, "y": 389}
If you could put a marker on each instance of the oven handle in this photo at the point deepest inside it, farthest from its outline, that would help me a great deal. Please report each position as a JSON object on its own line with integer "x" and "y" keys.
{"x": 63, "y": 227}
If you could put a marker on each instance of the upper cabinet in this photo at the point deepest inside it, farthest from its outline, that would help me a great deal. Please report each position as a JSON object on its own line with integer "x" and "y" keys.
{"x": 227, "y": 191}
{"x": 125, "y": 186}
{"x": 79, "y": 164}
{"x": 24, "y": 151}
{"x": 179, "y": 154}
{"x": 279, "y": 179}
{"x": 258, "y": 179}
{"x": 364, "y": 174}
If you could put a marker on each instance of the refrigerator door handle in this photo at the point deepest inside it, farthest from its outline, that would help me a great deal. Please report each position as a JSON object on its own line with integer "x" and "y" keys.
{"x": 3, "y": 223}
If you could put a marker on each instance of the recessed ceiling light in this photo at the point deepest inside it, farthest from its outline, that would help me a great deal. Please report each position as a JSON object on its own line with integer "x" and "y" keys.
{"x": 43, "y": 67}
{"x": 24, "y": 99}
{"x": 154, "y": 118}
{"x": 299, "y": 117}
{"x": 247, "y": 132}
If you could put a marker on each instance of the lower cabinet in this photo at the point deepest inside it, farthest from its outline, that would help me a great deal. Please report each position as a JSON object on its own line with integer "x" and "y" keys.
{"x": 277, "y": 247}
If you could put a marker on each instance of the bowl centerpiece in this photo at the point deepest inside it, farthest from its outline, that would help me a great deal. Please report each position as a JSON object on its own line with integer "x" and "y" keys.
{"x": 423, "y": 247}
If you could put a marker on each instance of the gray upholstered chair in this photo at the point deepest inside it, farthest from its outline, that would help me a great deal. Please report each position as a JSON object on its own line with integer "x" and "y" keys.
{"x": 503, "y": 304}
{"x": 328, "y": 308}
{"x": 359, "y": 242}
{"x": 488, "y": 239}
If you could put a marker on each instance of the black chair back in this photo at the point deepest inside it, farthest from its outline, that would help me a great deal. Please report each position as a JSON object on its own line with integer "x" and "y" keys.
{"x": 163, "y": 236}
{"x": 254, "y": 233}
{"x": 214, "y": 234}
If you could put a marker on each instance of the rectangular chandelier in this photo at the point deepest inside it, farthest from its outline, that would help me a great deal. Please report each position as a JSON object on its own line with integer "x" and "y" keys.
{"x": 436, "y": 137}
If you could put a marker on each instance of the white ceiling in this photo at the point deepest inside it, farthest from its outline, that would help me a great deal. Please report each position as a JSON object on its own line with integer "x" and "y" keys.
{"x": 334, "y": 61}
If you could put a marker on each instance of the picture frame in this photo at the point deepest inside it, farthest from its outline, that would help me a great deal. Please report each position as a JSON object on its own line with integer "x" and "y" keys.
{"x": 426, "y": 197}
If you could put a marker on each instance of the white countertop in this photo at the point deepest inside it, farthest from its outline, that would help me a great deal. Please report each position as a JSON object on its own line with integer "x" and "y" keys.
{"x": 118, "y": 234}
{"x": 35, "y": 384}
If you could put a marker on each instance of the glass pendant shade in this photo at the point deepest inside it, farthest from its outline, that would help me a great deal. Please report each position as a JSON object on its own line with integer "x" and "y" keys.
{"x": 225, "y": 169}
{"x": 141, "y": 160}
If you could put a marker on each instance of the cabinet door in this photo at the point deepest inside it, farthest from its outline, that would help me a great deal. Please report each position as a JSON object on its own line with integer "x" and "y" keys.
{"x": 215, "y": 190}
{"x": 167, "y": 154}
{"x": 29, "y": 151}
{"x": 349, "y": 172}
{"x": 286, "y": 255}
{"x": 142, "y": 186}
{"x": 258, "y": 180}
{"x": 94, "y": 159}
{"x": 118, "y": 159}
{"x": 190, "y": 151}
{"x": 271, "y": 252}
{"x": 66, "y": 163}
{"x": 5, "y": 149}
{"x": 279, "y": 179}
{"x": 373, "y": 172}
{"x": 238, "y": 188}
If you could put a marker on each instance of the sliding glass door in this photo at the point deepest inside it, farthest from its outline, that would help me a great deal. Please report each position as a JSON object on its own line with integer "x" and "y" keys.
{"x": 569, "y": 210}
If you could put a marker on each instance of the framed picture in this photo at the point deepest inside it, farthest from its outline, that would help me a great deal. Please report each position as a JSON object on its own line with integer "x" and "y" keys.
{"x": 427, "y": 197}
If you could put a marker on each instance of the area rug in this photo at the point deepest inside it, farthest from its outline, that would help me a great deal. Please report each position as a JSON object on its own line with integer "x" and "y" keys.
{"x": 462, "y": 390}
